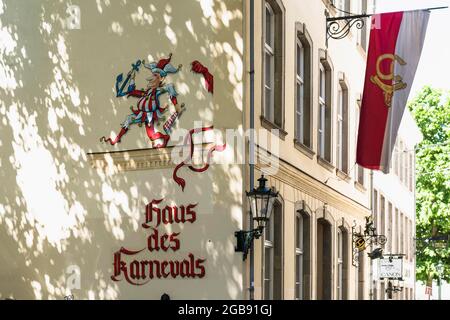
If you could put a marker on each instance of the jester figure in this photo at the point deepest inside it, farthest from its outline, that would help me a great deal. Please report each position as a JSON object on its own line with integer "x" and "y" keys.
{"x": 148, "y": 110}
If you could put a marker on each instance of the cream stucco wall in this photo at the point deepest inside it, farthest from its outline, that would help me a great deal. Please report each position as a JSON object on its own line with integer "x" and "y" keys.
{"x": 57, "y": 208}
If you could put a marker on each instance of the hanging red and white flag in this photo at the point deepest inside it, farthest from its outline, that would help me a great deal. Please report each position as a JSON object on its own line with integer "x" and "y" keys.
{"x": 396, "y": 41}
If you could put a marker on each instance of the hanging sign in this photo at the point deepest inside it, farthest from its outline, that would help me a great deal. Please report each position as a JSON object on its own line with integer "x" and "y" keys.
{"x": 391, "y": 267}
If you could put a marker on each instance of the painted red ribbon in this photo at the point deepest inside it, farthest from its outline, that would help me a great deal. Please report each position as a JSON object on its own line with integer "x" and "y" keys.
{"x": 198, "y": 67}
{"x": 188, "y": 141}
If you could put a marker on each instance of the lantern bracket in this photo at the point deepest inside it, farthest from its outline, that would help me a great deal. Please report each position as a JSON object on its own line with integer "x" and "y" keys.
{"x": 244, "y": 240}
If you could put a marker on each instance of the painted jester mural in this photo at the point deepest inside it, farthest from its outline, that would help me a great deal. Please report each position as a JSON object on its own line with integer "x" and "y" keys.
{"x": 149, "y": 111}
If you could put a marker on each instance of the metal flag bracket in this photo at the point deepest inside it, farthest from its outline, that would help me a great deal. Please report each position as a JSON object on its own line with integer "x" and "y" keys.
{"x": 339, "y": 27}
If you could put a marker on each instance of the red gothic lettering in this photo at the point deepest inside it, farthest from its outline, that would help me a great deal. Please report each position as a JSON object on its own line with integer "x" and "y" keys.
{"x": 164, "y": 265}
{"x": 174, "y": 268}
{"x": 158, "y": 269}
{"x": 184, "y": 268}
{"x": 149, "y": 210}
{"x": 199, "y": 266}
{"x": 140, "y": 272}
{"x": 175, "y": 242}
{"x": 143, "y": 269}
{"x": 178, "y": 215}
{"x": 191, "y": 213}
{"x": 153, "y": 241}
{"x": 163, "y": 242}
{"x": 191, "y": 264}
{"x": 167, "y": 215}
{"x": 134, "y": 270}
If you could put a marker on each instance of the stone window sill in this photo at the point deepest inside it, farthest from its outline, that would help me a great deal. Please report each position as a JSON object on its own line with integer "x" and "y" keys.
{"x": 269, "y": 125}
{"x": 342, "y": 175}
{"x": 360, "y": 186}
{"x": 304, "y": 149}
{"x": 324, "y": 163}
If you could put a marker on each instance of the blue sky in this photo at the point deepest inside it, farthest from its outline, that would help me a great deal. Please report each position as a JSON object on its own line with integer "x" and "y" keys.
{"x": 434, "y": 65}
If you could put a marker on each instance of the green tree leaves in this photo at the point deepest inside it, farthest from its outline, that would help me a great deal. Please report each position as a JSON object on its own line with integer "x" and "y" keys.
{"x": 431, "y": 110}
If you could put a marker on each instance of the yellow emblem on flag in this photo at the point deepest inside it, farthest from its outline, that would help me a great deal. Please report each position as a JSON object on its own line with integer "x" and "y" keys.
{"x": 397, "y": 84}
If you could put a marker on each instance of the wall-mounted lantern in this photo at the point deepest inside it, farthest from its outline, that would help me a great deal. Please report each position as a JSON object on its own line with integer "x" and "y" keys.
{"x": 261, "y": 202}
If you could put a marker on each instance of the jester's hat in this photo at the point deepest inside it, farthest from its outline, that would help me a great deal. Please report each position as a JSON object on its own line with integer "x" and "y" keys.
{"x": 163, "y": 67}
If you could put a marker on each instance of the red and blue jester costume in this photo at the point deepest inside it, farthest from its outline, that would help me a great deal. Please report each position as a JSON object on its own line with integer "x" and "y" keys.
{"x": 149, "y": 110}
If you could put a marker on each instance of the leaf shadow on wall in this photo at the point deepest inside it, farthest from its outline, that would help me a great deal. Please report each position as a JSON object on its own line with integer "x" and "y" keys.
{"x": 57, "y": 99}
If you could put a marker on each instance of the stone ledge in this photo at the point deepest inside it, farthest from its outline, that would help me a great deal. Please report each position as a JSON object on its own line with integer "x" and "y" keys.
{"x": 143, "y": 159}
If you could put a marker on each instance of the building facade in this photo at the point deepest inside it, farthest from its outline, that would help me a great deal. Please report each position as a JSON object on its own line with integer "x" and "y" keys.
{"x": 310, "y": 93}
{"x": 394, "y": 210}
{"x": 102, "y": 202}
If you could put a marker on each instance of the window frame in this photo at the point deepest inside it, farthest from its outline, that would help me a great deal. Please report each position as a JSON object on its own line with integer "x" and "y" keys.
{"x": 270, "y": 244}
{"x": 304, "y": 211}
{"x": 303, "y": 118}
{"x": 274, "y": 117}
{"x": 322, "y": 111}
{"x": 325, "y": 116}
{"x": 299, "y": 255}
{"x": 300, "y": 96}
{"x": 340, "y": 264}
{"x": 360, "y": 173}
{"x": 342, "y": 138}
{"x": 268, "y": 50}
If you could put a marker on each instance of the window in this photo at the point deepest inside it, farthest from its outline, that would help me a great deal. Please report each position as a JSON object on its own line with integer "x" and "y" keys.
{"x": 273, "y": 63}
{"x": 303, "y": 87}
{"x": 273, "y": 255}
{"x": 342, "y": 128}
{"x": 342, "y": 263}
{"x": 324, "y": 260}
{"x": 268, "y": 261}
{"x": 361, "y": 276}
{"x": 300, "y": 83}
{"x": 407, "y": 238}
{"x": 322, "y": 109}
{"x": 407, "y": 168}
{"x": 343, "y": 5}
{"x": 389, "y": 228}
{"x": 302, "y": 256}
{"x": 397, "y": 231}
{"x": 402, "y": 163}
{"x": 375, "y": 209}
{"x": 411, "y": 236}
{"x": 359, "y": 169}
{"x": 402, "y": 233}
{"x": 411, "y": 173}
{"x": 396, "y": 158}
{"x": 299, "y": 257}
{"x": 324, "y": 147}
{"x": 382, "y": 215}
{"x": 361, "y": 36}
